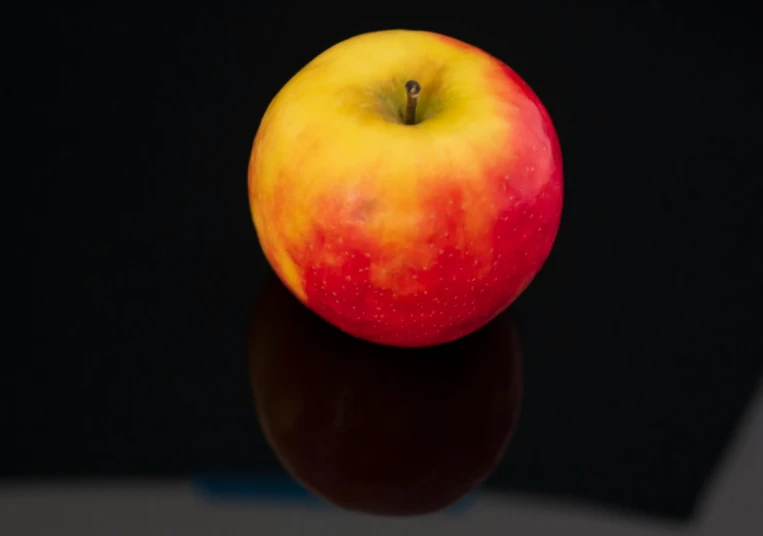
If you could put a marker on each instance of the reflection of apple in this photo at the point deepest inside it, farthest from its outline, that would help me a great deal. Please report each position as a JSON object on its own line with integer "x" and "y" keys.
{"x": 377, "y": 429}
{"x": 406, "y": 186}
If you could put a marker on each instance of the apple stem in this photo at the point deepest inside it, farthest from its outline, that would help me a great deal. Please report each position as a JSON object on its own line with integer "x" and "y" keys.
{"x": 412, "y": 89}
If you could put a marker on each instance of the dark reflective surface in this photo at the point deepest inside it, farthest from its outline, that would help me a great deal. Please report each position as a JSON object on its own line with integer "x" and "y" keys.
{"x": 378, "y": 429}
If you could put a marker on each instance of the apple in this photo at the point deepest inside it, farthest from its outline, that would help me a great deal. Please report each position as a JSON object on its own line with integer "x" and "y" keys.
{"x": 370, "y": 429}
{"x": 406, "y": 187}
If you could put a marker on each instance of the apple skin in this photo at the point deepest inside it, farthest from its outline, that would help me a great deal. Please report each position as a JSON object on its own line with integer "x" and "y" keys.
{"x": 375, "y": 429}
{"x": 406, "y": 235}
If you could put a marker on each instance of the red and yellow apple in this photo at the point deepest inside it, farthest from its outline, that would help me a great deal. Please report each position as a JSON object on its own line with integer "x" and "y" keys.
{"x": 369, "y": 428}
{"x": 406, "y": 231}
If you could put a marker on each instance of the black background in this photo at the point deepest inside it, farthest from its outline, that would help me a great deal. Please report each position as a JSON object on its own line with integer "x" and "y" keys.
{"x": 137, "y": 265}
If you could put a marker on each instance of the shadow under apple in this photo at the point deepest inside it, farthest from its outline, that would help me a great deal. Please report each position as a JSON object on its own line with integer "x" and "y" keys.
{"x": 377, "y": 429}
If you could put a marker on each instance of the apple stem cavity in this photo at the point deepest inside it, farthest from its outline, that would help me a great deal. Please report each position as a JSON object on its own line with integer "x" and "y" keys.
{"x": 412, "y": 89}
